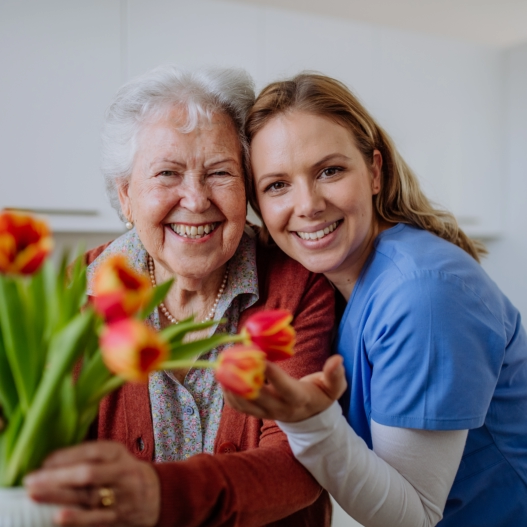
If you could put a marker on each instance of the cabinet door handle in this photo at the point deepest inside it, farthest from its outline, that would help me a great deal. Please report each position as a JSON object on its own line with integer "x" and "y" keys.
{"x": 57, "y": 212}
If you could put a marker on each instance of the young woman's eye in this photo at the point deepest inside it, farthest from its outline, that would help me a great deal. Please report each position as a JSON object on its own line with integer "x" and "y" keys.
{"x": 331, "y": 171}
{"x": 274, "y": 187}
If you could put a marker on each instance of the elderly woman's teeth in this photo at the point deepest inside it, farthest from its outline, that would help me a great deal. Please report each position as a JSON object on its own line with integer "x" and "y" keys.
{"x": 319, "y": 234}
{"x": 193, "y": 231}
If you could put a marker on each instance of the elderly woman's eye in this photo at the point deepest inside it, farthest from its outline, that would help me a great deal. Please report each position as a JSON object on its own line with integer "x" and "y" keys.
{"x": 167, "y": 173}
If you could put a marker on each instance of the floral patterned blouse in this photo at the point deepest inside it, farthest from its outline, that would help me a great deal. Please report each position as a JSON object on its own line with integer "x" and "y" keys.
{"x": 186, "y": 416}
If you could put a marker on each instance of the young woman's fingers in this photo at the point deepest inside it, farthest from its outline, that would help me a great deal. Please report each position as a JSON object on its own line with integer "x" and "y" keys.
{"x": 334, "y": 378}
{"x": 244, "y": 406}
{"x": 285, "y": 387}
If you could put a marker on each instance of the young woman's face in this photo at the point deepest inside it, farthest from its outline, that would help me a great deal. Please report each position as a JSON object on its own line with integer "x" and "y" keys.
{"x": 315, "y": 193}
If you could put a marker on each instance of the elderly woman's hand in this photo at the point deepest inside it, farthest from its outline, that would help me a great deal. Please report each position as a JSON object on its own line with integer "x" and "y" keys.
{"x": 98, "y": 483}
{"x": 286, "y": 399}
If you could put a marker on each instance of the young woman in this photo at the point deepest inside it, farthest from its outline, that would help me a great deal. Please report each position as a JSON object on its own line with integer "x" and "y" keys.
{"x": 435, "y": 418}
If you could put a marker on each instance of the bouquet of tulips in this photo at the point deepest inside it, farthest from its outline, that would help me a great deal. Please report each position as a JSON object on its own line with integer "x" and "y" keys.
{"x": 60, "y": 354}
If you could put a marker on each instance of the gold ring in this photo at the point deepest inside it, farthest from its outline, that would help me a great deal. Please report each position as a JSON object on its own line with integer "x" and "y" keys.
{"x": 107, "y": 496}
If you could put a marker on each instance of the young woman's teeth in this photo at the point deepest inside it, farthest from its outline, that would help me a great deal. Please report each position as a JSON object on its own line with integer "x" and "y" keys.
{"x": 193, "y": 231}
{"x": 319, "y": 234}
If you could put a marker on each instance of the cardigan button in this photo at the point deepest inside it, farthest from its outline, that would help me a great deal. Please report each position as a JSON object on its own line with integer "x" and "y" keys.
{"x": 227, "y": 448}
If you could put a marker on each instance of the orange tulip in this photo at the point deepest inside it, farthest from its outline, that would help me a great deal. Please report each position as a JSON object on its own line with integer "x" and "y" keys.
{"x": 25, "y": 242}
{"x": 241, "y": 370}
{"x": 272, "y": 332}
{"x": 119, "y": 291}
{"x": 131, "y": 349}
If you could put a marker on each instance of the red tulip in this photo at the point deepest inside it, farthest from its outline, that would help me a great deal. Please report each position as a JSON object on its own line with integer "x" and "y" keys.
{"x": 241, "y": 370}
{"x": 131, "y": 349}
{"x": 25, "y": 242}
{"x": 119, "y": 291}
{"x": 272, "y": 332}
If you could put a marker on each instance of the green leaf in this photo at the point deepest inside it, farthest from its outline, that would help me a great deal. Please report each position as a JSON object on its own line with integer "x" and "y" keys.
{"x": 65, "y": 348}
{"x": 175, "y": 333}
{"x": 16, "y": 342}
{"x": 38, "y": 305}
{"x": 8, "y": 391}
{"x": 196, "y": 348}
{"x": 75, "y": 294}
{"x": 94, "y": 374}
{"x": 8, "y": 441}
{"x": 158, "y": 296}
{"x": 68, "y": 416}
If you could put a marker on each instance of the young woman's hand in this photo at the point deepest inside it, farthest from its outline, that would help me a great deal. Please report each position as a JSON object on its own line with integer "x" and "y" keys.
{"x": 286, "y": 399}
{"x": 98, "y": 483}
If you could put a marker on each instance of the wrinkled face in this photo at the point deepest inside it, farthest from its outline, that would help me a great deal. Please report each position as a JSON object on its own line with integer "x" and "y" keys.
{"x": 315, "y": 189}
{"x": 186, "y": 194}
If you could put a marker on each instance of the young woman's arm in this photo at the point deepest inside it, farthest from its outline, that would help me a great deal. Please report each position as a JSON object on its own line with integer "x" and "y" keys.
{"x": 403, "y": 482}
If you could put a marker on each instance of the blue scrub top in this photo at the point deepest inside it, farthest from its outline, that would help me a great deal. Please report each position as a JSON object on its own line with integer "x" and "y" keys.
{"x": 430, "y": 342}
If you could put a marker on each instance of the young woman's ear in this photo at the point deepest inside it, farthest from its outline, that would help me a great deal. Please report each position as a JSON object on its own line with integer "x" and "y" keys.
{"x": 376, "y": 171}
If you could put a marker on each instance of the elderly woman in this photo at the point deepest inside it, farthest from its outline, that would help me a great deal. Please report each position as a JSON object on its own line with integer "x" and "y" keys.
{"x": 173, "y": 160}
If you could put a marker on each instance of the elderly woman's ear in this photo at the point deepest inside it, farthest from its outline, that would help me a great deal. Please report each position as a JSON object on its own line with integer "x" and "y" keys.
{"x": 124, "y": 200}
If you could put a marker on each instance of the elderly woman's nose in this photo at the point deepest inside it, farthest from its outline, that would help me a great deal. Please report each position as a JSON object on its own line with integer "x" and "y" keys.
{"x": 195, "y": 194}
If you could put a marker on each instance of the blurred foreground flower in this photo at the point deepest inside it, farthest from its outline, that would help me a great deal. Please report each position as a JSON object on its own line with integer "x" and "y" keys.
{"x": 272, "y": 332}
{"x": 240, "y": 369}
{"x": 119, "y": 292}
{"x": 131, "y": 349}
{"x": 25, "y": 241}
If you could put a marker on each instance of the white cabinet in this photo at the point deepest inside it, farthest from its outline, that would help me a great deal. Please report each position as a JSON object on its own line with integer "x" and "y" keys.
{"x": 61, "y": 62}
{"x": 60, "y": 65}
{"x": 442, "y": 102}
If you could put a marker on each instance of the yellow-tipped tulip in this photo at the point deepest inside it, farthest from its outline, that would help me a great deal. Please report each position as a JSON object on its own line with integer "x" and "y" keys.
{"x": 119, "y": 291}
{"x": 25, "y": 242}
{"x": 241, "y": 370}
{"x": 131, "y": 349}
{"x": 272, "y": 332}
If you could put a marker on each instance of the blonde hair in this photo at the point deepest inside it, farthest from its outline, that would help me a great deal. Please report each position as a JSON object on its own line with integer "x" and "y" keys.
{"x": 400, "y": 199}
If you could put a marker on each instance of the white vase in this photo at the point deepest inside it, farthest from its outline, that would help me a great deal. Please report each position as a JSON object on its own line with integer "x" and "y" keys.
{"x": 18, "y": 510}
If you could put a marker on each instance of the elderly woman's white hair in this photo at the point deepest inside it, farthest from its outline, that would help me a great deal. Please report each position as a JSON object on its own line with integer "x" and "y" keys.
{"x": 201, "y": 92}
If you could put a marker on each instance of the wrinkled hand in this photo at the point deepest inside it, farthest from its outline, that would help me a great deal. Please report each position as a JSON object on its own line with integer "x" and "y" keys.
{"x": 74, "y": 476}
{"x": 286, "y": 399}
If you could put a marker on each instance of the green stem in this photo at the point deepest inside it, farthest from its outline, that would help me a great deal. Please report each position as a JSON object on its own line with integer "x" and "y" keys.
{"x": 109, "y": 386}
{"x": 175, "y": 364}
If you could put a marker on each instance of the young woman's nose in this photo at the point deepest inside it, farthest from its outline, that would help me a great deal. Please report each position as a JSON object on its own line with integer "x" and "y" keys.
{"x": 309, "y": 201}
{"x": 195, "y": 194}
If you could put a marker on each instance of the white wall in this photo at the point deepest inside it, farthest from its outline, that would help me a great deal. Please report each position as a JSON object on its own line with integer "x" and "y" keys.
{"x": 507, "y": 262}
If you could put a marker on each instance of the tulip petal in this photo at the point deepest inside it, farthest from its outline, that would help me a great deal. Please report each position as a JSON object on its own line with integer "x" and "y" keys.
{"x": 241, "y": 370}
{"x": 132, "y": 350}
{"x": 119, "y": 291}
{"x": 25, "y": 242}
{"x": 272, "y": 332}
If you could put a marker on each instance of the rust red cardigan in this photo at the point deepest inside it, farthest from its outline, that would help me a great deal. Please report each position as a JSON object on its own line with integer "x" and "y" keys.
{"x": 252, "y": 479}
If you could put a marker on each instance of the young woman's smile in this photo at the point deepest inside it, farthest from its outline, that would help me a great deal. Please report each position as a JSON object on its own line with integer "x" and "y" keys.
{"x": 315, "y": 190}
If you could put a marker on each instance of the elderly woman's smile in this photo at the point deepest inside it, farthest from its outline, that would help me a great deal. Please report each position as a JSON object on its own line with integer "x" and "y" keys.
{"x": 186, "y": 194}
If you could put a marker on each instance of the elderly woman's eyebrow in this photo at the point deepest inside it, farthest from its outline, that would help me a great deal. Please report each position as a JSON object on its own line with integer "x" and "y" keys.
{"x": 222, "y": 161}
{"x": 168, "y": 160}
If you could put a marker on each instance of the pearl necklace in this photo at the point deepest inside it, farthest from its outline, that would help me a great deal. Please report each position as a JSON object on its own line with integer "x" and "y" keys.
{"x": 164, "y": 309}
